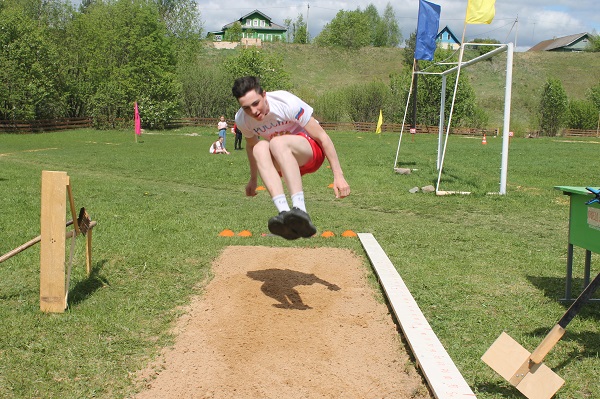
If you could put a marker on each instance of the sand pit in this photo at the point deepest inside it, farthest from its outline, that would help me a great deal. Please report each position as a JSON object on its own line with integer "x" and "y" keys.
{"x": 286, "y": 323}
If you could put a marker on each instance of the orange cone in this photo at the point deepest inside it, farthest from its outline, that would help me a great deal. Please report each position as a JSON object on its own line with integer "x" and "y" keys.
{"x": 245, "y": 233}
{"x": 328, "y": 233}
{"x": 484, "y": 141}
{"x": 349, "y": 233}
{"x": 226, "y": 233}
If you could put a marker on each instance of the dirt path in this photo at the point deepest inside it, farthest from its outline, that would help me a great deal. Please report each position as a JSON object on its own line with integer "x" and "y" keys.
{"x": 286, "y": 323}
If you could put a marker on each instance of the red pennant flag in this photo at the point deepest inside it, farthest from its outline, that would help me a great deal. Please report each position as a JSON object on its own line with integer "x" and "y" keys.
{"x": 136, "y": 118}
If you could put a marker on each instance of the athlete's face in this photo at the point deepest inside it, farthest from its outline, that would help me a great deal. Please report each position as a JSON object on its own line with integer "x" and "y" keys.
{"x": 255, "y": 105}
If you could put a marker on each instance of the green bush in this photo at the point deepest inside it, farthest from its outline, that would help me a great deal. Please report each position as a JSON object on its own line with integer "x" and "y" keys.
{"x": 593, "y": 94}
{"x": 554, "y": 107}
{"x": 206, "y": 91}
{"x": 254, "y": 62}
{"x": 332, "y": 107}
{"x": 355, "y": 103}
{"x": 365, "y": 100}
{"x": 582, "y": 115}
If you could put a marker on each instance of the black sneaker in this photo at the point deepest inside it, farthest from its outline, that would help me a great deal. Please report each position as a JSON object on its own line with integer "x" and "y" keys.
{"x": 299, "y": 222}
{"x": 278, "y": 227}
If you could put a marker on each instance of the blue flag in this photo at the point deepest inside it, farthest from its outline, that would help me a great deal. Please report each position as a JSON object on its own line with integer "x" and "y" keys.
{"x": 427, "y": 30}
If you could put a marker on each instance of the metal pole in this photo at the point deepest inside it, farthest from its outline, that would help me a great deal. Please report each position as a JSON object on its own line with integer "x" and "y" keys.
{"x": 568, "y": 282}
{"x": 588, "y": 263}
{"x": 404, "y": 118}
{"x": 517, "y": 29}
{"x": 505, "y": 130}
{"x": 307, "y": 10}
{"x": 442, "y": 119}
{"x": 415, "y": 85}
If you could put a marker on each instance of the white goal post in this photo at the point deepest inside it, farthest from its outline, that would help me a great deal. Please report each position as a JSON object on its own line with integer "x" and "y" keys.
{"x": 442, "y": 143}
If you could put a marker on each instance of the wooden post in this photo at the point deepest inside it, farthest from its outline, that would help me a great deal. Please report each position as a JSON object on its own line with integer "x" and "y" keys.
{"x": 52, "y": 251}
{"x": 88, "y": 252}
{"x": 72, "y": 205}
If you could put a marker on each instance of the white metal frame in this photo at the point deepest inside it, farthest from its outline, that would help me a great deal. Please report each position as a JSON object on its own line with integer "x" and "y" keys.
{"x": 442, "y": 144}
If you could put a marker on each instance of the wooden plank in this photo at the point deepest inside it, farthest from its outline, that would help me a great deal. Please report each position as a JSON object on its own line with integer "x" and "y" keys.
{"x": 505, "y": 356}
{"x": 52, "y": 250}
{"x": 541, "y": 383}
{"x": 442, "y": 375}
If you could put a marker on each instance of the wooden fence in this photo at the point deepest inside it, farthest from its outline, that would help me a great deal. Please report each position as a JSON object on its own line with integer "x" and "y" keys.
{"x": 46, "y": 125}
{"x": 49, "y": 125}
{"x": 581, "y": 133}
{"x": 206, "y": 122}
{"x": 348, "y": 126}
{"x": 397, "y": 127}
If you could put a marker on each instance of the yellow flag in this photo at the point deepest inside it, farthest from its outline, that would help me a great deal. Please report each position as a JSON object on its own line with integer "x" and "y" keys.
{"x": 379, "y": 123}
{"x": 480, "y": 11}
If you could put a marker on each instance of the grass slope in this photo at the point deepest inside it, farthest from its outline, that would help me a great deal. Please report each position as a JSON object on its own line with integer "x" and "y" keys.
{"x": 314, "y": 70}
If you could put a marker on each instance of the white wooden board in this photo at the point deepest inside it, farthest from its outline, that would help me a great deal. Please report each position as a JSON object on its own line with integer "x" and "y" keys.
{"x": 442, "y": 375}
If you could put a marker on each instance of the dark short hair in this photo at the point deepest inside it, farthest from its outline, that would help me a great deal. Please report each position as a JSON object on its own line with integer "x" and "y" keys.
{"x": 243, "y": 85}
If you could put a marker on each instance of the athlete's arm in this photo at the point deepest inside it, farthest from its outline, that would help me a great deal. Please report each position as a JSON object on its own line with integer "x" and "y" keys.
{"x": 253, "y": 182}
{"x": 341, "y": 188}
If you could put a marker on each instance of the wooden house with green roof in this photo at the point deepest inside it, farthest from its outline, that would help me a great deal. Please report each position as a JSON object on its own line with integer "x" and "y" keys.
{"x": 571, "y": 43}
{"x": 255, "y": 25}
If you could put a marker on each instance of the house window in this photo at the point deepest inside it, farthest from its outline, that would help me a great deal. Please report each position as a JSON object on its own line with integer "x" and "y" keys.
{"x": 255, "y": 22}
{"x": 262, "y": 23}
{"x": 261, "y": 36}
{"x": 248, "y": 22}
{"x": 218, "y": 38}
{"x": 269, "y": 37}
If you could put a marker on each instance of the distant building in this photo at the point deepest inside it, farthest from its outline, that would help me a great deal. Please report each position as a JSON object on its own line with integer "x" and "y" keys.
{"x": 446, "y": 39}
{"x": 576, "y": 42}
{"x": 255, "y": 25}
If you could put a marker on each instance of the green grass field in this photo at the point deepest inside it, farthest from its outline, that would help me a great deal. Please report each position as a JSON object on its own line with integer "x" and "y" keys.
{"x": 477, "y": 265}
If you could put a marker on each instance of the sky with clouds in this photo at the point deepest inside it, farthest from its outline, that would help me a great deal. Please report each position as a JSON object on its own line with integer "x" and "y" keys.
{"x": 523, "y": 22}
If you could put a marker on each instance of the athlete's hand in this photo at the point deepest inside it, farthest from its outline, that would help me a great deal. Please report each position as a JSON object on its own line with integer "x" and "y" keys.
{"x": 251, "y": 188}
{"x": 341, "y": 188}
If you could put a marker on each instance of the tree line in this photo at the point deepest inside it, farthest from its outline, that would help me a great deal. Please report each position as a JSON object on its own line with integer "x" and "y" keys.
{"x": 97, "y": 60}
{"x": 56, "y": 61}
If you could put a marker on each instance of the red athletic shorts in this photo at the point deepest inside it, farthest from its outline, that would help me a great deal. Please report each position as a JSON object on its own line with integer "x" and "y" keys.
{"x": 317, "y": 159}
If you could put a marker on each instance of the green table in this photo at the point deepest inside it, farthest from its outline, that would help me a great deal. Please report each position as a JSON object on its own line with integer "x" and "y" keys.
{"x": 584, "y": 231}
